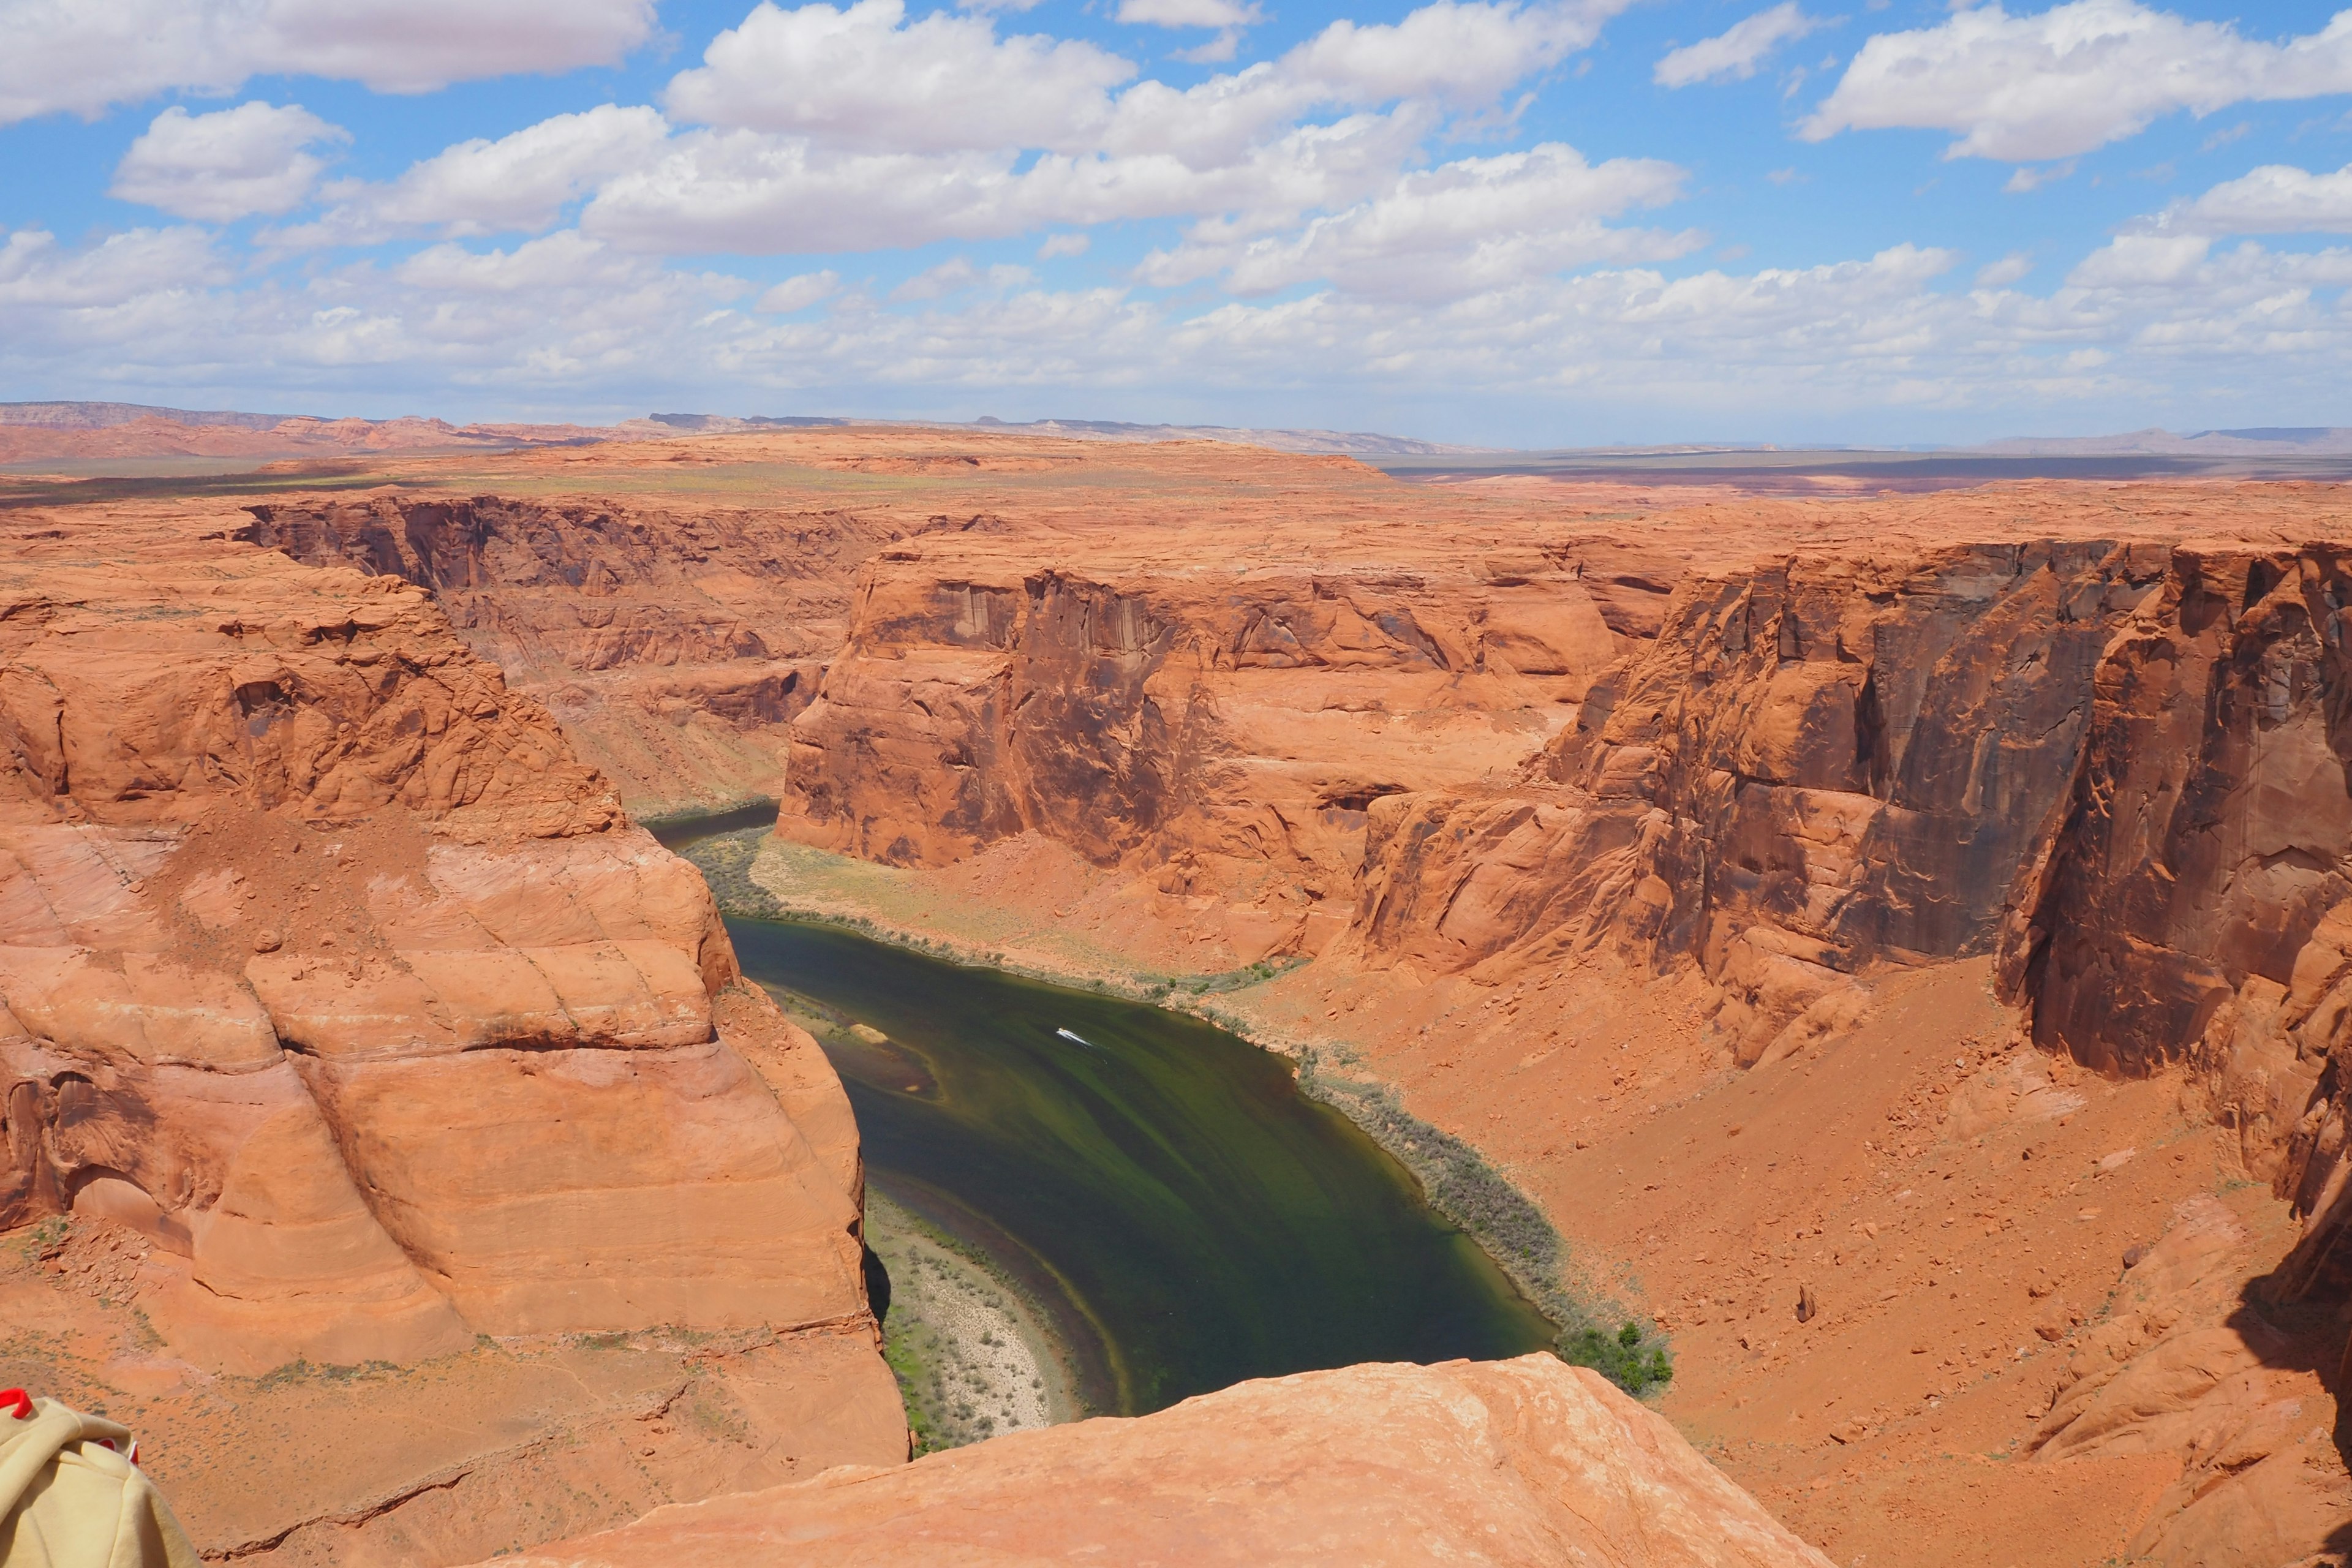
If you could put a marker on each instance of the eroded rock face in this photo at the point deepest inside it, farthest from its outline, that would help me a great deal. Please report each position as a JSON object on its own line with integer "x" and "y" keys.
{"x": 2198, "y": 905}
{"x": 1232, "y": 726}
{"x": 673, "y": 643}
{"x": 1524, "y": 1462}
{"x": 329, "y": 968}
{"x": 1816, "y": 766}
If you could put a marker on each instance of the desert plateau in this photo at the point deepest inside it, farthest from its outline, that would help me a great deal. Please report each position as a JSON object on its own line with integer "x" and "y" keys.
{"x": 1895, "y": 945}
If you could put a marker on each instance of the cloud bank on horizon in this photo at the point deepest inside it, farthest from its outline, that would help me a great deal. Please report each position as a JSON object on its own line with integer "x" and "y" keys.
{"x": 1541, "y": 222}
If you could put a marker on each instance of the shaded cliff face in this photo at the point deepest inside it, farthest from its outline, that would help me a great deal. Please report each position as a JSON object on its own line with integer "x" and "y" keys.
{"x": 1519, "y": 1462}
{"x": 2197, "y": 905}
{"x": 335, "y": 984}
{"x": 673, "y": 643}
{"x": 1816, "y": 766}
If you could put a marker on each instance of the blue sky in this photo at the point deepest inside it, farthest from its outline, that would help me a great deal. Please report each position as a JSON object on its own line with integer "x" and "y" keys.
{"x": 1527, "y": 225}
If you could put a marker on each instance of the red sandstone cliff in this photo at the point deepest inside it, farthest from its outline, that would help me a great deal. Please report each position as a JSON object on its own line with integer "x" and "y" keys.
{"x": 330, "y": 977}
{"x": 673, "y": 643}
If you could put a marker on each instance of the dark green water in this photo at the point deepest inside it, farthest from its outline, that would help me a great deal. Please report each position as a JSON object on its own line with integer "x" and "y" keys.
{"x": 1188, "y": 1216}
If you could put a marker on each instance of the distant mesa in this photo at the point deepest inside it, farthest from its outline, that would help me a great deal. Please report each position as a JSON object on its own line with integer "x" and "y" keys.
{"x": 107, "y": 415}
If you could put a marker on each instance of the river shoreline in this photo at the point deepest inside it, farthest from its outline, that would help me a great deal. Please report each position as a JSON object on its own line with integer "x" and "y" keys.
{"x": 974, "y": 1356}
{"x": 754, "y": 874}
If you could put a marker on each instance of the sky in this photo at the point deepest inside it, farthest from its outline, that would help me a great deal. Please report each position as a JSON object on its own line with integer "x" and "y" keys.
{"x": 1589, "y": 222}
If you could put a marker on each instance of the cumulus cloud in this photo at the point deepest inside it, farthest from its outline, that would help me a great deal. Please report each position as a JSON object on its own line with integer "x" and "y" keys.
{"x": 2071, "y": 79}
{"x": 2009, "y": 270}
{"x": 901, "y": 134}
{"x": 1470, "y": 225}
{"x": 1190, "y": 13}
{"x": 2276, "y": 198}
{"x": 35, "y": 271}
{"x": 799, "y": 293}
{"x": 565, "y": 323}
{"x": 867, "y": 79}
{"x": 68, "y": 56}
{"x": 1736, "y": 53}
{"x": 519, "y": 182}
{"x": 226, "y": 165}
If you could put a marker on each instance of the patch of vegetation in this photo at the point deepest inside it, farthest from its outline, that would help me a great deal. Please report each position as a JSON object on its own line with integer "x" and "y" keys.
{"x": 1621, "y": 1357}
{"x": 1459, "y": 1183}
{"x": 911, "y": 1368}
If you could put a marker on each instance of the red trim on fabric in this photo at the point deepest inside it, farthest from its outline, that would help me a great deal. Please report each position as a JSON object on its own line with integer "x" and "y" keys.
{"x": 20, "y": 1399}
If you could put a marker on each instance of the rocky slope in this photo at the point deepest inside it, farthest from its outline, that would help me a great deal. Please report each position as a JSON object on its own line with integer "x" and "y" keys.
{"x": 349, "y": 1005}
{"x": 1521, "y": 1462}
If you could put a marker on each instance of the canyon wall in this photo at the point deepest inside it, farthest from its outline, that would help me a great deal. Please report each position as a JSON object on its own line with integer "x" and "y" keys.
{"x": 673, "y": 643}
{"x": 334, "y": 981}
{"x": 1798, "y": 769}
{"x": 2105, "y": 760}
{"x": 1222, "y": 729}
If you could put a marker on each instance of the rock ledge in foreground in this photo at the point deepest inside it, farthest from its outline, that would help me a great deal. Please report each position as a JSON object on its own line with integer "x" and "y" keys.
{"x": 1524, "y": 1461}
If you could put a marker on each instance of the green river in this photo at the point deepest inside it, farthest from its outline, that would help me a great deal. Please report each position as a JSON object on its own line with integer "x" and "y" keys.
{"x": 1162, "y": 1189}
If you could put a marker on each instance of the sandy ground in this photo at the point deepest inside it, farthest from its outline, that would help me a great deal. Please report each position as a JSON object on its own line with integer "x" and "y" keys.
{"x": 974, "y": 1359}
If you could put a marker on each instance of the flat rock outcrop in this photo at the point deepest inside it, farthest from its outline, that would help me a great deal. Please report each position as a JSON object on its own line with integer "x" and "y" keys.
{"x": 1521, "y": 1462}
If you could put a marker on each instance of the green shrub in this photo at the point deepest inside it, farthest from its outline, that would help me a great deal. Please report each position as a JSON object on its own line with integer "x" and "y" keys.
{"x": 1621, "y": 1357}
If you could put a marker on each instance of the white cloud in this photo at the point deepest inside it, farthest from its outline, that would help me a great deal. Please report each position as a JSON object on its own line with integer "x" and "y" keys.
{"x": 901, "y": 139}
{"x": 867, "y": 80}
{"x": 2276, "y": 198}
{"x": 799, "y": 293}
{"x": 1462, "y": 229}
{"x": 2024, "y": 177}
{"x": 2076, "y": 77}
{"x": 956, "y": 274}
{"x": 36, "y": 271}
{"x": 1190, "y": 13}
{"x": 226, "y": 165}
{"x": 519, "y": 182}
{"x": 1736, "y": 52}
{"x": 563, "y": 323}
{"x": 1463, "y": 54}
{"x": 2007, "y": 270}
{"x": 81, "y": 57}
{"x": 1063, "y": 245}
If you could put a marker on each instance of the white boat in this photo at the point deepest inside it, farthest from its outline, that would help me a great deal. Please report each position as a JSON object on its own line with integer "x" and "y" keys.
{"x": 1081, "y": 1039}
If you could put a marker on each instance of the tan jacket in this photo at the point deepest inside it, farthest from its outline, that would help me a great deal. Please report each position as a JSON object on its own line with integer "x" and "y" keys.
{"x": 68, "y": 1501}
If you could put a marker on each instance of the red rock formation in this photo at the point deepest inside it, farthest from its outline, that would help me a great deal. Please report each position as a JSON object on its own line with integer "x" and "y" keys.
{"x": 1586, "y": 801}
{"x": 327, "y": 969}
{"x": 1525, "y": 1462}
{"x": 2198, "y": 905}
{"x": 673, "y": 643}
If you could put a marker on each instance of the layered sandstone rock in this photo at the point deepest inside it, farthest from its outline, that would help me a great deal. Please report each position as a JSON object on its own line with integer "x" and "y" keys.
{"x": 1525, "y": 1462}
{"x": 2197, "y": 905}
{"x": 330, "y": 970}
{"x": 1227, "y": 726}
{"x": 673, "y": 643}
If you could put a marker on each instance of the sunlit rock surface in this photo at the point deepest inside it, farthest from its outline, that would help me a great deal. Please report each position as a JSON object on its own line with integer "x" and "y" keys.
{"x": 1520, "y": 1462}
